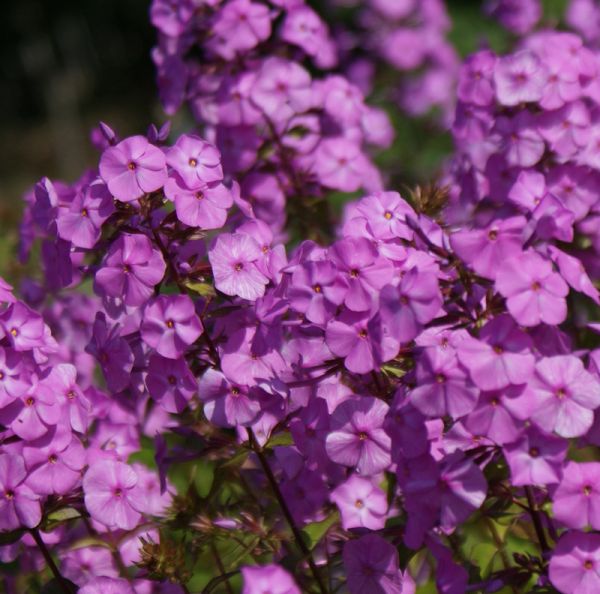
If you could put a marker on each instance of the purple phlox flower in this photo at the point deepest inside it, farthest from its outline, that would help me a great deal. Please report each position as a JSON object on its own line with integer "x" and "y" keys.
{"x": 196, "y": 161}
{"x": 130, "y": 270}
{"x": 23, "y": 327}
{"x": 6, "y": 292}
{"x": 170, "y": 325}
{"x": 309, "y": 430}
{"x": 485, "y": 249}
{"x": 268, "y": 579}
{"x": 154, "y": 502}
{"x": 450, "y": 578}
{"x": 522, "y": 144}
{"x": 226, "y": 404}
{"x": 112, "y": 352}
{"x": 406, "y": 426}
{"x": 245, "y": 367}
{"x": 340, "y": 164}
{"x": 32, "y": 415}
{"x": 519, "y": 78}
{"x": 360, "y": 340}
{"x": 573, "y": 271}
{"x": 107, "y": 585}
{"x": 282, "y": 89}
{"x": 493, "y": 416}
{"x": 534, "y": 292}
{"x": 362, "y": 504}
{"x": 233, "y": 100}
{"x": 372, "y": 566}
{"x": 233, "y": 258}
{"x": 316, "y": 290}
{"x": 576, "y": 501}
{"x": 111, "y": 495}
{"x": 357, "y": 437}
{"x": 305, "y": 28}
{"x": 363, "y": 270}
{"x": 443, "y": 386}
{"x": 204, "y": 207}
{"x": 501, "y": 356}
{"x": 535, "y": 458}
{"x": 239, "y": 26}
{"x": 553, "y": 220}
{"x": 170, "y": 382}
{"x": 385, "y": 213}
{"x": 14, "y": 376}
{"x": 305, "y": 494}
{"x": 133, "y": 168}
{"x": 84, "y": 564}
{"x": 564, "y": 396}
{"x": 566, "y": 130}
{"x": 407, "y": 307}
{"x": 19, "y": 505}
{"x": 81, "y": 220}
{"x": 171, "y": 18}
{"x": 575, "y": 187}
{"x": 54, "y": 462}
{"x": 575, "y": 563}
{"x": 518, "y": 16}
{"x": 475, "y": 83}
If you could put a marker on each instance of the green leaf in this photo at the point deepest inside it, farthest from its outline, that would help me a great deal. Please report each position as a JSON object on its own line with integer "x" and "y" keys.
{"x": 64, "y": 514}
{"x": 204, "y": 477}
{"x": 237, "y": 460}
{"x": 313, "y": 533}
{"x": 203, "y": 289}
{"x": 281, "y": 439}
{"x": 90, "y": 541}
{"x": 7, "y": 538}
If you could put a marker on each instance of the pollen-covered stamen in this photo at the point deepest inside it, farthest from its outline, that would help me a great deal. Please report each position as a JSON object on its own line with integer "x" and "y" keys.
{"x": 238, "y": 266}
{"x": 84, "y": 212}
{"x": 535, "y": 286}
{"x": 587, "y": 490}
{"x": 170, "y": 323}
{"x": 30, "y": 401}
{"x": 52, "y": 459}
{"x": 440, "y": 378}
{"x": 14, "y": 332}
{"x": 359, "y": 504}
{"x": 493, "y": 235}
{"x": 118, "y": 493}
{"x": 131, "y": 166}
{"x": 589, "y": 564}
{"x": 70, "y": 395}
{"x": 362, "y": 436}
{"x": 9, "y": 495}
{"x": 387, "y": 215}
{"x": 317, "y": 288}
{"x": 354, "y": 273}
{"x": 534, "y": 452}
{"x": 193, "y": 162}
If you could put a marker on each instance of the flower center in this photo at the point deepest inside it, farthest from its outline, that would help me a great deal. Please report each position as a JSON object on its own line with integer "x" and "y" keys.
{"x": 359, "y": 503}
{"x": 193, "y": 162}
{"x": 126, "y": 269}
{"x": 239, "y": 266}
{"x": 363, "y": 333}
{"x": 561, "y": 393}
{"x": 170, "y": 323}
{"x": 589, "y": 564}
{"x": 14, "y": 332}
{"x": 9, "y": 494}
{"x": 535, "y": 286}
{"x": 235, "y": 391}
{"x": 172, "y": 380}
{"x": 30, "y": 401}
{"x": 587, "y": 490}
{"x": 199, "y": 195}
{"x": 440, "y": 378}
{"x": 317, "y": 288}
{"x": 362, "y": 436}
{"x": 52, "y": 459}
{"x": 84, "y": 212}
{"x": 534, "y": 452}
{"x": 493, "y": 235}
{"x": 70, "y": 394}
{"x": 131, "y": 166}
{"x": 354, "y": 273}
{"x": 118, "y": 493}
{"x": 498, "y": 349}
{"x": 387, "y": 215}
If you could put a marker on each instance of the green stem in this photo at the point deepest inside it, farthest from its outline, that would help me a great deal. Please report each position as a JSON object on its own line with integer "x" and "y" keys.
{"x": 286, "y": 511}
{"x": 64, "y": 586}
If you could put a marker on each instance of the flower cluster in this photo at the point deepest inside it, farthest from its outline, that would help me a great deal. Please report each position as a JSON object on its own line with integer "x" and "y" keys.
{"x": 187, "y": 403}
{"x": 244, "y": 68}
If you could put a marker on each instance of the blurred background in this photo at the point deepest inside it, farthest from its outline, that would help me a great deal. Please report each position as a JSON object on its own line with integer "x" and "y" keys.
{"x": 66, "y": 64}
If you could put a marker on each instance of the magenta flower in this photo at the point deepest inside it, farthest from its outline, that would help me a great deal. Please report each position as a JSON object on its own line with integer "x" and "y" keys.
{"x": 357, "y": 437}
{"x": 234, "y": 258}
{"x": 372, "y": 566}
{"x": 502, "y": 356}
{"x": 130, "y": 270}
{"x": 575, "y": 563}
{"x": 81, "y": 221}
{"x": 535, "y": 458}
{"x": 519, "y": 78}
{"x": 363, "y": 270}
{"x": 406, "y": 308}
{"x": 61, "y": 384}
{"x": 360, "y": 341}
{"x": 19, "y": 505}
{"x": 340, "y": 164}
{"x": 55, "y": 462}
{"x": 564, "y": 396}
{"x": 204, "y": 207}
{"x": 226, "y": 404}
{"x": 485, "y": 249}
{"x": 268, "y": 579}
{"x": 576, "y": 501}
{"x": 196, "y": 161}
{"x": 133, "y": 168}
{"x": 239, "y": 26}
{"x": 170, "y": 325}
{"x": 362, "y": 504}
{"x": 534, "y": 292}
{"x": 316, "y": 290}
{"x": 13, "y": 376}
{"x": 443, "y": 387}
{"x": 111, "y": 496}
{"x": 475, "y": 83}
{"x": 24, "y": 328}
{"x": 170, "y": 382}
{"x": 107, "y": 585}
